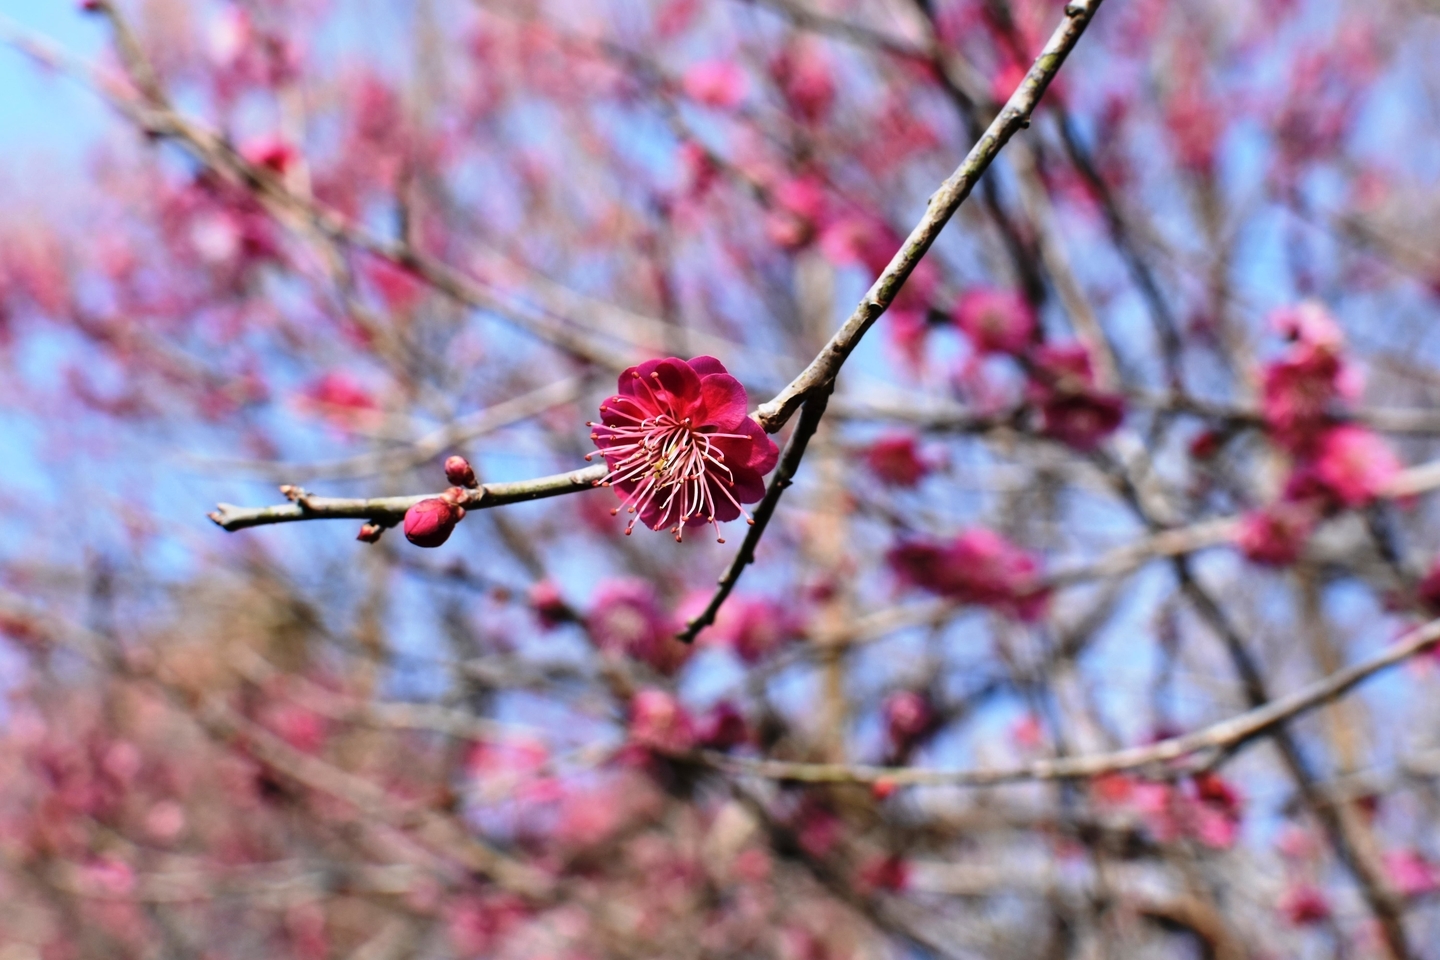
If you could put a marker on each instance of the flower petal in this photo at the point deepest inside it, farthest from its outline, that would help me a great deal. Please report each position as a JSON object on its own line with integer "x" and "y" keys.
{"x": 629, "y": 382}
{"x": 705, "y": 366}
{"x": 722, "y": 402}
{"x": 759, "y": 454}
{"x": 675, "y": 377}
{"x": 749, "y": 487}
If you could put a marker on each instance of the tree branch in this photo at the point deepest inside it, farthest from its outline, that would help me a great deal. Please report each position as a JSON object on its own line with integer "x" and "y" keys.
{"x": 1224, "y": 737}
{"x": 942, "y": 206}
{"x": 388, "y": 511}
{"x": 784, "y": 475}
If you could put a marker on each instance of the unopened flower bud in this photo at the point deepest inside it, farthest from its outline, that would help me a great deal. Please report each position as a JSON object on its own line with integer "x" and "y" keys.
{"x": 549, "y": 606}
{"x": 370, "y": 533}
{"x": 459, "y": 472}
{"x": 430, "y": 522}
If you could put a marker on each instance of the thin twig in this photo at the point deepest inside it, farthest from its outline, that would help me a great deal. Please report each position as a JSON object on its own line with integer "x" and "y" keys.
{"x": 388, "y": 511}
{"x": 1224, "y": 737}
{"x": 784, "y": 476}
{"x": 942, "y": 206}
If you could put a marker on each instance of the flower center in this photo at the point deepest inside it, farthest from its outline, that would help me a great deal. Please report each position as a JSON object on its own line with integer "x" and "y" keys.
{"x": 676, "y": 468}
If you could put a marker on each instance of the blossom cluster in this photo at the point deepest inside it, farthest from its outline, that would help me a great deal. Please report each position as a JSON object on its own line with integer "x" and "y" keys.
{"x": 1335, "y": 464}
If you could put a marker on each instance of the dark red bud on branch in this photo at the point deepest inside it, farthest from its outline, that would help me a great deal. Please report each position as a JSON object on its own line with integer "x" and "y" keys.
{"x": 459, "y": 472}
{"x": 430, "y": 522}
{"x": 370, "y": 533}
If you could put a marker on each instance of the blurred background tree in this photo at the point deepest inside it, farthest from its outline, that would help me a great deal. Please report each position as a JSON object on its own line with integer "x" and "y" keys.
{"x": 1054, "y": 648}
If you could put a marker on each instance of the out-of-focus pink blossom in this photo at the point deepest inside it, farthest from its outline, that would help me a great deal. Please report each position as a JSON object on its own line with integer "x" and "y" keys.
{"x": 165, "y": 821}
{"x": 895, "y": 460}
{"x": 337, "y": 389}
{"x": 754, "y": 627}
{"x": 722, "y": 727}
{"x": 1276, "y": 535}
{"x": 800, "y": 207}
{"x": 1298, "y": 394}
{"x": 1206, "y": 444}
{"x": 978, "y": 566}
{"x": 478, "y": 924}
{"x": 700, "y": 168}
{"x": 550, "y": 607}
{"x": 625, "y": 618}
{"x": 659, "y": 722}
{"x": 1309, "y": 325}
{"x": 108, "y": 876}
{"x": 274, "y": 153}
{"x": 908, "y": 717}
{"x": 302, "y": 729}
{"x": 716, "y": 83}
{"x": 1072, "y": 409}
{"x": 1354, "y": 465}
{"x": 817, "y": 828}
{"x": 1427, "y": 592}
{"x": 1196, "y": 123}
{"x": 1302, "y": 389}
{"x": 1409, "y": 873}
{"x": 889, "y": 872}
{"x": 1304, "y": 904}
{"x": 1082, "y": 420}
{"x": 399, "y": 288}
{"x": 996, "y": 321}
{"x": 805, "y": 79}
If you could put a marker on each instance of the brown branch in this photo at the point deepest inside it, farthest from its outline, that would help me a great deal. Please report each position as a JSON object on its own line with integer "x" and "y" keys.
{"x": 438, "y": 834}
{"x": 784, "y": 476}
{"x": 388, "y": 511}
{"x": 422, "y": 449}
{"x": 942, "y": 206}
{"x": 1341, "y": 829}
{"x": 1220, "y": 738}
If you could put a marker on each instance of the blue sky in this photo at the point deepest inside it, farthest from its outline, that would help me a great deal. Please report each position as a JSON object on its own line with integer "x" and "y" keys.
{"x": 45, "y": 113}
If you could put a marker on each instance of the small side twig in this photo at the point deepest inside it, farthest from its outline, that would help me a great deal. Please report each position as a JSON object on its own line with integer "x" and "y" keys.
{"x": 388, "y": 511}
{"x": 1224, "y": 737}
{"x": 952, "y": 193}
{"x": 810, "y": 416}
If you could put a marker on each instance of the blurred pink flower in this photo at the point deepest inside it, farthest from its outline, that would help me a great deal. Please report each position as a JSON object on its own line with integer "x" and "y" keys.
{"x": 1276, "y": 535}
{"x": 1304, "y": 904}
{"x": 888, "y": 872}
{"x": 1410, "y": 873}
{"x": 896, "y": 461}
{"x": 659, "y": 722}
{"x": 716, "y": 83}
{"x": 978, "y": 566}
{"x": 754, "y": 627}
{"x": 805, "y": 79}
{"x": 996, "y": 321}
{"x": 1072, "y": 409}
{"x": 625, "y": 618}
{"x": 1353, "y": 465}
{"x": 722, "y": 727}
{"x": 908, "y": 717}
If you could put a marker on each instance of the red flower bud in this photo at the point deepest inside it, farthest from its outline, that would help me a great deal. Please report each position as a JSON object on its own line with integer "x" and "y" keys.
{"x": 429, "y": 522}
{"x": 459, "y": 472}
{"x": 370, "y": 533}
